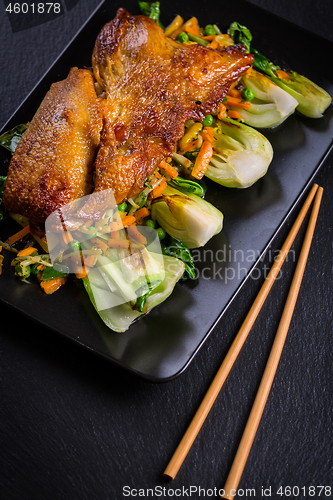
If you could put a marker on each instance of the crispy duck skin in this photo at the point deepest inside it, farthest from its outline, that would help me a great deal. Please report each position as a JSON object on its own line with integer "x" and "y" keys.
{"x": 52, "y": 164}
{"x": 153, "y": 85}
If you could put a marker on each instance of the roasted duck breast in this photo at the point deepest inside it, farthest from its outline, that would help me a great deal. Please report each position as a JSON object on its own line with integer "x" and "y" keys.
{"x": 153, "y": 85}
{"x": 52, "y": 164}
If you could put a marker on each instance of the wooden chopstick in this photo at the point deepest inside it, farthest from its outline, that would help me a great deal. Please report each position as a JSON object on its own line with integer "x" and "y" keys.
{"x": 218, "y": 381}
{"x": 273, "y": 360}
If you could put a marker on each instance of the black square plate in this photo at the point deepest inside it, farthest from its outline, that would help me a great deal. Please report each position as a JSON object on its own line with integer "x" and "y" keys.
{"x": 162, "y": 344}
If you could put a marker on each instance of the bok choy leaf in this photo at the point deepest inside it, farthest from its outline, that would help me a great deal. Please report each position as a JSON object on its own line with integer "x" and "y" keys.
{"x": 240, "y": 34}
{"x": 241, "y": 155}
{"x": 312, "y": 99}
{"x": 187, "y": 217}
{"x": 189, "y": 186}
{"x": 121, "y": 316}
{"x": 177, "y": 248}
{"x": 270, "y": 106}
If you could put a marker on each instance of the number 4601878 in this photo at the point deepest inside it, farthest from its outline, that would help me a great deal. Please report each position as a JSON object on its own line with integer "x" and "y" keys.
{"x": 38, "y": 8}
{"x": 305, "y": 491}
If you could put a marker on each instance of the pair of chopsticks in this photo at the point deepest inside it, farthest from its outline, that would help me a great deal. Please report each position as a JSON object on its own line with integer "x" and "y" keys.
{"x": 274, "y": 357}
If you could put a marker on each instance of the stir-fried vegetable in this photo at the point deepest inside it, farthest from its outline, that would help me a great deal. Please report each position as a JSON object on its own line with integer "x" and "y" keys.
{"x": 175, "y": 24}
{"x": 28, "y": 262}
{"x": 187, "y": 217}
{"x": 240, "y": 34}
{"x": 202, "y": 160}
{"x": 122, "y": 265}
{"x": 10, "y": 139}
{"x": 241, "y": 155}
{"x": 151, "y": 10}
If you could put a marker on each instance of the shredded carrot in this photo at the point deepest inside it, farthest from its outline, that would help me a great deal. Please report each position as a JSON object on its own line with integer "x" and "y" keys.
{"x": 116, "y": 225}
{"x": 115, "y": 235}
{"x": 282, "y": 74}
{"x": 234, "y": 114}
{"x": 202, "y": 160}
{"x": 17, "y": 236}
{"x": 50, "y": 286}
{"x": 248, "y": 71}
{"x": 142, "y": 213}
{"x": 26, "y": 251}
{"x": 213, "y": 45}
{"x": 128, "y": 220}
{"x": 210, "y": 132}
{"x": 135, "y": 233}
{"x": 1, "y": 261}
{"x": 193, "y": 30}
{"x": 209, "y": 38}
{"x": 157, "y": 175}
{"x": 169, "y": 169}
{"x": 117, "y": 243}
{"x": 67, "y": 237}
{"x": 125, "y": 221}
{"x": 235, "y": 93}
{"x": 99, "y": 244}
{"x": 90, "y": 260}
{"x": 233, "y": 100}
{"x": 205, "y": 135}
{"x": 82, "y": 274}
{"x": 160, "y": 188}
{"x": 241, "y": 105}
{"x": 236, "y": 104}
{"x": 208, "y": 135}
{"x": 222, "y": 110}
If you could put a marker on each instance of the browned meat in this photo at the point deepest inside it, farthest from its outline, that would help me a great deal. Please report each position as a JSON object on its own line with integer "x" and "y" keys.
{"x": 153, "y": 85}
{"x": 52, "y": 164}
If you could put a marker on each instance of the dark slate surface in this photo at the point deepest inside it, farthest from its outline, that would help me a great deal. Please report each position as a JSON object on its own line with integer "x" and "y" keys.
{"x": 73, "y": 426}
